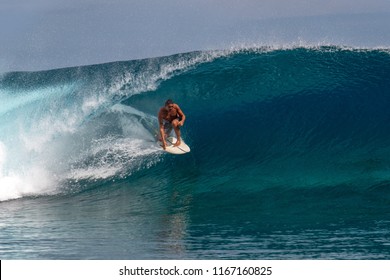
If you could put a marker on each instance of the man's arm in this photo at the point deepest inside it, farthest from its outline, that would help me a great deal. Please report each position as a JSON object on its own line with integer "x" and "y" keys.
{"x": 162, "y": 132}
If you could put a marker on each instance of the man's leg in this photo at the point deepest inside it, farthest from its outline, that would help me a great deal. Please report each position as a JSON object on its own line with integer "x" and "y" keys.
{"x": 176, "y": 128}
{"x": 167, "y": 131}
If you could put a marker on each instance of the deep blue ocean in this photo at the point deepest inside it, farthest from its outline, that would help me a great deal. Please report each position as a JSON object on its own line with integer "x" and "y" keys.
{"x": 290, "y": 157}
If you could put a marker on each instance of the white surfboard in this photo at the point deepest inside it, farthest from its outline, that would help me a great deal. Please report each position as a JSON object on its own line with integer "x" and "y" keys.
{"x": 177, "y": 150}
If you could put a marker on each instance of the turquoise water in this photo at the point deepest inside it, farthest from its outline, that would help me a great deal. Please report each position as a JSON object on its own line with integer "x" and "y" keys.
{"x": 289, "y": 158}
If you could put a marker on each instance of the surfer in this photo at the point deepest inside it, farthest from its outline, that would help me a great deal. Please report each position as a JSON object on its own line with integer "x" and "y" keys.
{"x": 170, "y": 116}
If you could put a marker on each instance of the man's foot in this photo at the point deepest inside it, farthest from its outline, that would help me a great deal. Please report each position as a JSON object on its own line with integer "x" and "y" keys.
{"x": 178, "y": 142}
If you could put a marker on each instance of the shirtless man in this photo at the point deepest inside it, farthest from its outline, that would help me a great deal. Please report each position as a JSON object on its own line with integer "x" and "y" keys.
{"x": 170, "y": 116}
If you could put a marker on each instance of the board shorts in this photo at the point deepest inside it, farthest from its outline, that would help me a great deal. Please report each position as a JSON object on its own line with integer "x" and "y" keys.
{"x": 168, "y": 127}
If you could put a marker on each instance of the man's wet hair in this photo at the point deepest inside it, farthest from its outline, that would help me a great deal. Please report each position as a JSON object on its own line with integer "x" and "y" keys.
{"x": 169, "y": 101}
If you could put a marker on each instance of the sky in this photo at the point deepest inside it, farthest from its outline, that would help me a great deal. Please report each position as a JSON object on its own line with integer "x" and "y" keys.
{"x": 47, "y": 34}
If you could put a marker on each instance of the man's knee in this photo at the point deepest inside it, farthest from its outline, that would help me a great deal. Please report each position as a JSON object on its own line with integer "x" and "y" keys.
{"x": 175, "y": 123}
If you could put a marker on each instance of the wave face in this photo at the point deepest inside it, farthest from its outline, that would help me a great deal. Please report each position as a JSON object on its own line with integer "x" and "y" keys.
{"x": 290, "y": 136}
{"x": 293, "y": 118}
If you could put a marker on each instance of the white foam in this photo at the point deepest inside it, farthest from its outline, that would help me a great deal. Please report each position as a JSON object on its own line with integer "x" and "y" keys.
{"x": 30, "y": 182}
{"x": 114, "y": 157}
{"x": 324, "y": 45}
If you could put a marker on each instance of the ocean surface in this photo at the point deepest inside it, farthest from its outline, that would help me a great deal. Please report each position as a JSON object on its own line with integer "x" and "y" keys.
{"x": 290, "y": 157}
